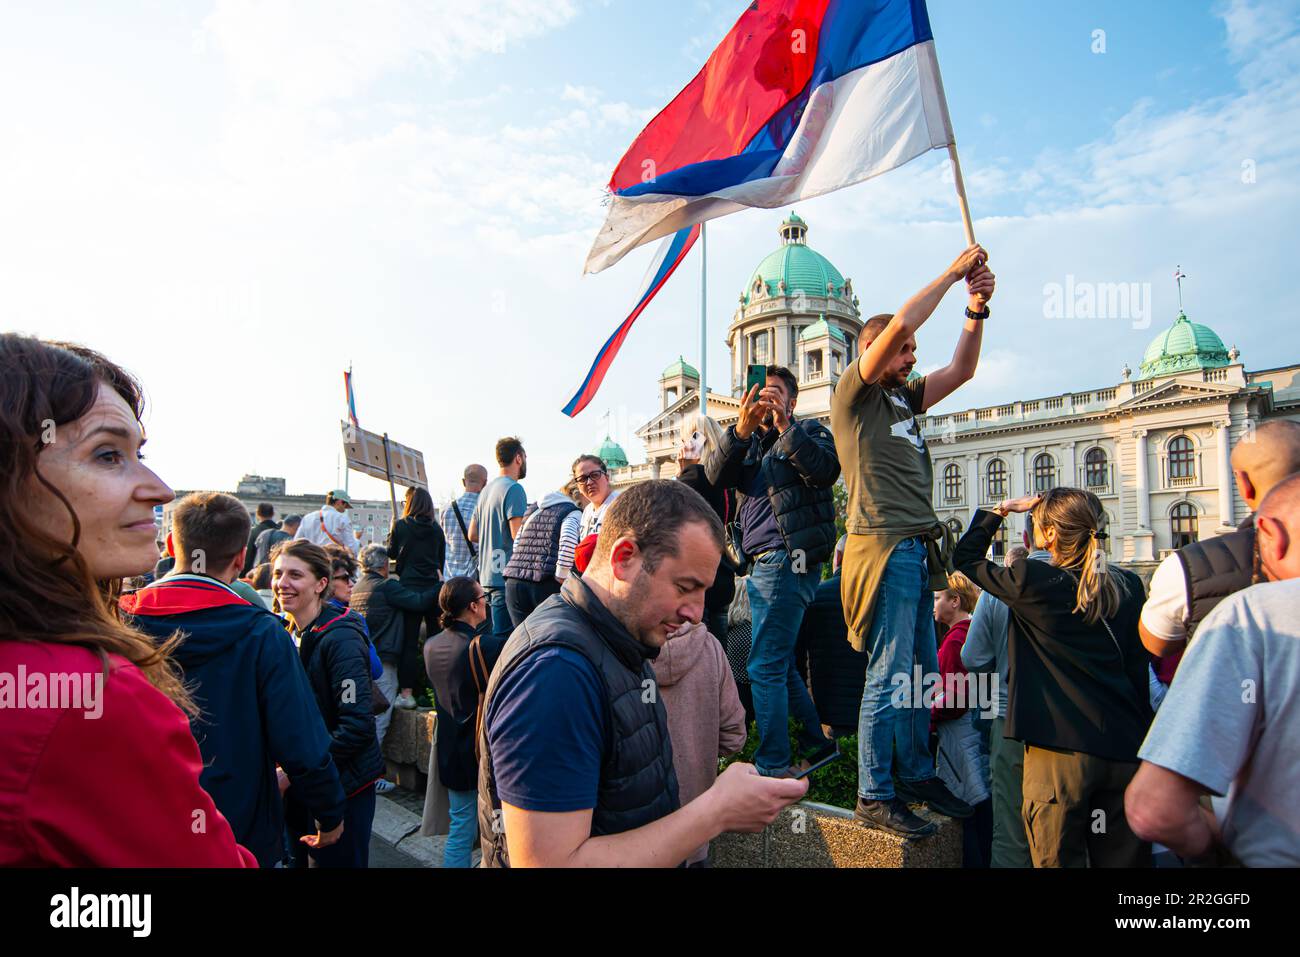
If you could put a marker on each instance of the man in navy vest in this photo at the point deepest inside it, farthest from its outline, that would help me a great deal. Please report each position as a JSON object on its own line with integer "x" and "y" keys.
{"x": 577, "y": 766}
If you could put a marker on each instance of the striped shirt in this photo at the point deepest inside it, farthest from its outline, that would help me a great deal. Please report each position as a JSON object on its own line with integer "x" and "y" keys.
{"x": 460, "y": 561}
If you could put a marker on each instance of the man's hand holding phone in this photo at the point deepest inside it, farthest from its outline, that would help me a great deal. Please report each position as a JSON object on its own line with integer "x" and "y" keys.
{"x": 746, "y": 801}
{"x": 752, "y": 410}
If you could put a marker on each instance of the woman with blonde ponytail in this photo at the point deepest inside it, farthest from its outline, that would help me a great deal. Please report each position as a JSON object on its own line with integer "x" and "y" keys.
{"x": 1077, "y": 677}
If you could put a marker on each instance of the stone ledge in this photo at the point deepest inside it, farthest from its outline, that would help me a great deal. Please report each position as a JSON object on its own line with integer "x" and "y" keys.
{"x": 809, "y": 834}
{"x": 409, "y": 737}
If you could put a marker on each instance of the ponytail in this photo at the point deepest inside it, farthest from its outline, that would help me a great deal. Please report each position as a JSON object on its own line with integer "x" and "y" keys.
{"x": 456, "y": 596}
{"x": 1097, "y": 596}
{"x": 1079, "y": 522}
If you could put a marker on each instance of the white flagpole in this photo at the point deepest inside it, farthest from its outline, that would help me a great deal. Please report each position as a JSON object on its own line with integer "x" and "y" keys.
{"x": 961, "y": 195}
{"x": 704, "y": 322}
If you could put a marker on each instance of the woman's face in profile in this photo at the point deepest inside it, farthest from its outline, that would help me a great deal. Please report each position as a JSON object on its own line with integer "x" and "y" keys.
{"x": 95, "y": 462}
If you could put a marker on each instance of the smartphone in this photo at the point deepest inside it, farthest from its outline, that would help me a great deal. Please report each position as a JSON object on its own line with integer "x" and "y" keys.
{"x": 833, "y": 756}
{"x": 755, "y": 376}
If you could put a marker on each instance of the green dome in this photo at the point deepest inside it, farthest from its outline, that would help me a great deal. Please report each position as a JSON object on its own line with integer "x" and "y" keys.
{"x": 800, "y": 267}
{"x": 1184, "y": 346}
{"x": 612, "y": 454}
{"x": 820, "y": 328}
{"x": 681, "y": 368}
{"x": 913, "y": 376}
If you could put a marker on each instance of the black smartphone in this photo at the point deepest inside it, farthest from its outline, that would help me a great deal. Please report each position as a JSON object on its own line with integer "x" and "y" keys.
{"x": 755, "y": 376}
{"x": 833, "y": 756}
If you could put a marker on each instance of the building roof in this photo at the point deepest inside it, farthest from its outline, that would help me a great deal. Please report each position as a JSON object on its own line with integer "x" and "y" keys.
{"x": 795, "y": 263}
{"x": 821, "y": 328}
{"x": 612, "y": 454}
{"x": 1183, "y": 346}
{"x": 681, "y": 368}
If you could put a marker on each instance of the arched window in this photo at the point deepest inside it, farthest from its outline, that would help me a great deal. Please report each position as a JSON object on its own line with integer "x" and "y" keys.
{"x": 1182, "y": 521}
{"x": 952, "y": 483}
{"x": 955, "y": 524}
{"x": 1094, "y": 469}
{"x": 996, "y": 475}
{"x": 1044, "y": 472}
{"x": 1182, "y": 458}
{"x": 999, "y": 548}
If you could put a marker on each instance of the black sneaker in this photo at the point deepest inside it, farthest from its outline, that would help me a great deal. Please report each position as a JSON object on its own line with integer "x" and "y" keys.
{"x": 820, "y": 752}
{"x": 935, "y": 795}
{"x": 893, "y": 816}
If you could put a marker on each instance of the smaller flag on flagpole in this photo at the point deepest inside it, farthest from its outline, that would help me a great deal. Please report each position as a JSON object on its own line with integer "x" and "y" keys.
{"x": 352, "y": 401}
{"x": 667, "y": 258}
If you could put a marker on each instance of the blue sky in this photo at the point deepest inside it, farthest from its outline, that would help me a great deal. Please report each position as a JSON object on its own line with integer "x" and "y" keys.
{"x": 237, "y": 199}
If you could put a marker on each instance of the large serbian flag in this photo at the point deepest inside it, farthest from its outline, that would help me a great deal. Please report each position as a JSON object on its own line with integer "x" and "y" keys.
{"x": 802, "y": 97}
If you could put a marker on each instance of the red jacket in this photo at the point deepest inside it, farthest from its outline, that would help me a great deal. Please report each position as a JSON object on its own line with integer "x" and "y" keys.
{"x": 950, "y": 664}
{"x": 117, "y": 790}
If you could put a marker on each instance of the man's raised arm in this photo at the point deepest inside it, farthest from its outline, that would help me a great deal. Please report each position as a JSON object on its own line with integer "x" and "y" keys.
{"x": 877, "y": 356}
{"x": 943, "y": 382}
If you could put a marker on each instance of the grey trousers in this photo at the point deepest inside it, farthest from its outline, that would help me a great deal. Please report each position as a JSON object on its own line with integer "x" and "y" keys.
{"x": 1007, "y": 766}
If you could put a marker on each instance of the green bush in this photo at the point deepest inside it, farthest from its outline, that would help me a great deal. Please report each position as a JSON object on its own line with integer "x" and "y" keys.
{"x": 836, "y": 784}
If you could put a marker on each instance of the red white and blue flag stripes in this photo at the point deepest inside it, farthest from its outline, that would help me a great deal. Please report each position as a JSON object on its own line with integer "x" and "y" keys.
{"x": 352, "y": 399}
{"x": 802, "y": 97}
{"x": 669, "y": 256}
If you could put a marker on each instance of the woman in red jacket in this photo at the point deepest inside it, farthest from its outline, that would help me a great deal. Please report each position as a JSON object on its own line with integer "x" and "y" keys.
{"x": 97, "y": 764}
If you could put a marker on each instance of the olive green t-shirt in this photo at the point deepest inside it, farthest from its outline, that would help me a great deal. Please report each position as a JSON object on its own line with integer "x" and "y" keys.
{"x": 883, "y": 455}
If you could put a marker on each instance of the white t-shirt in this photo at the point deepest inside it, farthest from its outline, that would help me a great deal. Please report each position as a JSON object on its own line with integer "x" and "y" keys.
{"x": 1228, "y": 722}
{"x": 1165, "y": 613}
{"x": 335, "y": 524}
{"x": 593, "y": 515}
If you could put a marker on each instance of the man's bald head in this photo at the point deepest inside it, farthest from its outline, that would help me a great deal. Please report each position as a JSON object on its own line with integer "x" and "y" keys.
{"x": 475, "y": 478}
{"x": 1265, "y": 457}
{"x": 1277, "y": 530}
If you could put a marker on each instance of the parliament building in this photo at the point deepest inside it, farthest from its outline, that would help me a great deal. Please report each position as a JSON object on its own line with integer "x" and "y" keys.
{"x": 1153, "y": 446}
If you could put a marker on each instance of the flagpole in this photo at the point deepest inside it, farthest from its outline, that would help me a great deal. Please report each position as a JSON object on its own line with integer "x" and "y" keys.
{"x": 704, "y": 322}
{"x": 347, "y": 472}
{"x": 961, "y": 195}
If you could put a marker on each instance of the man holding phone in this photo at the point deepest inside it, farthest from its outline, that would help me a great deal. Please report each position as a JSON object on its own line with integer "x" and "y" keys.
{"x": 890, "y": 561}
{"x": 577, "y": 760}
{"x": 783, "y": 468}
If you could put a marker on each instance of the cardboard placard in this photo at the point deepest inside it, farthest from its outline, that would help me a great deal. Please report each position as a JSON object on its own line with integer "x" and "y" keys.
{"x": 364, "y": 452}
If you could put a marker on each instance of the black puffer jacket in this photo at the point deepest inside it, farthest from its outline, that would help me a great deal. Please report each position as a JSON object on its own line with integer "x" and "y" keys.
{"x": 381, "y": 601}
{"x": 836, "y": 673}
{"x": 335, "y": 652}
{"x": 799, "y": 468}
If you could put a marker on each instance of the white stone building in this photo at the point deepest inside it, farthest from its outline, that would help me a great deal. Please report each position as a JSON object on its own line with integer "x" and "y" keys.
{"x": 1155, "y": 448}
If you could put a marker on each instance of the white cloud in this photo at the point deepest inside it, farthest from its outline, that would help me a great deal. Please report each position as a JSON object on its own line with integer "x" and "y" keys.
{"x": 313, "y": 51}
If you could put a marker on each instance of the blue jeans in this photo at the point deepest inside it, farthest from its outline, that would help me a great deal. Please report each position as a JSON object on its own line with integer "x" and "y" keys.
{"x": 464, "y": 828}
{"x": 892, "y": 733}
{"x": 498, "y": 614}
{"x": 778, "y": 596}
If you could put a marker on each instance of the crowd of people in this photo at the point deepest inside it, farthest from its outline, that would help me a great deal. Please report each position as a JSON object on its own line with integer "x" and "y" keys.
{"x": 594, "y": 654}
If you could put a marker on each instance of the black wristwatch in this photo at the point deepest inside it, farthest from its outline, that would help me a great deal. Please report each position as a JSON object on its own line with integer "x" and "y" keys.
{"x": 978, "y": 316}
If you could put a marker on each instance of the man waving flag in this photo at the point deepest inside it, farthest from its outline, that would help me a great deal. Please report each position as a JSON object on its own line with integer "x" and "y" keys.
{"x": 802, "y": 97}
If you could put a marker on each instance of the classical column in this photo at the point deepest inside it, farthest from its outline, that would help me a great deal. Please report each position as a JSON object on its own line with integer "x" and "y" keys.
{"x": 1225, "y": 474}
{"x": 1019, "y": 486}
{"x": 1140, "y": 471}
{"x": 972, "y": 485}
{"x": 1069, "y": 469}
{"x": 1143, "y": 537}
